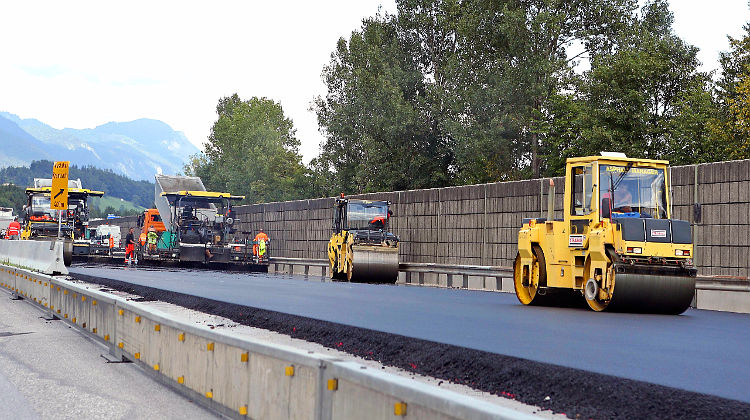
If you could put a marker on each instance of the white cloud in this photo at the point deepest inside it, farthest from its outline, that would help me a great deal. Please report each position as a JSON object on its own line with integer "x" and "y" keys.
{"x": 83, "y": 63}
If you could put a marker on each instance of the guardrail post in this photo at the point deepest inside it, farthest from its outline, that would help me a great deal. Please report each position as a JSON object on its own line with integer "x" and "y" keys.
{"x": 14, "y": 294}
{"x": 323, "y": 401}
{"x": 114, "y": 349}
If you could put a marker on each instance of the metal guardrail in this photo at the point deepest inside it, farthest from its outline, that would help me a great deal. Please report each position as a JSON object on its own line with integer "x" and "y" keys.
{"x": 241, "y": 377}
{"x": 715, "y": 283}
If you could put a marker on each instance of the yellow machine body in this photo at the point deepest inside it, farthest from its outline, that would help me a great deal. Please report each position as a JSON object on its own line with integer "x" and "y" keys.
{"x": 361, "y": 248}
{"x": 638, "y": 260}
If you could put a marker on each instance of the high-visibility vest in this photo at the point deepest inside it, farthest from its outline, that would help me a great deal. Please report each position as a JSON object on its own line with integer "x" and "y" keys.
{"x": 14, "y": 228}
{"x": 261, "y": 248}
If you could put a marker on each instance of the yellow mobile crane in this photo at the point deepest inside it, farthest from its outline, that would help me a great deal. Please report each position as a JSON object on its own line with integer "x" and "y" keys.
{"x": 617, "y": 245}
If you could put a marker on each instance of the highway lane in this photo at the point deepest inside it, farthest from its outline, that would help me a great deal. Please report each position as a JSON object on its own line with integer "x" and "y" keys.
{"x": 701, "y": 351}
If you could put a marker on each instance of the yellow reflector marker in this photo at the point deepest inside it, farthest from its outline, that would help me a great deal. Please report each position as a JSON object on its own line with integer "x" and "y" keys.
{"x": 83, "y": 298}
{"x": 243, "y": 357}
{"x": 93, "y": 302}
{"x": 93, "y": 330}
{"x": 333, "y": 384}
{"x": 83, "y": 325}
{"x": 74, "y": 320}
{"x": 52, "y": 307}
{"x": 289, "y": 371}
{"x": 210, "y": 346}
{"x": 243, "y": 410}
{"x": 137, "y": 320}
{"x": 399, "y": 409}
{"x": 137, "y": 355}
{"x": 66, "y": 315}
{"x": 181, "y": 380}
{"x": 65, "y": 292}
{"x": 45, "y": 284}
{"x": 58, "y": 311}
{"x": 120, "y": 344}
{"x": 181, "y": 337}
{"x": 58, "y": 288}
{"x": 121, "y": 312}
{"x": 106, "y": 337}
{"x": 156, "y": 366}
{"x": 157, "y": 327}
{"x": 209, "y": 394}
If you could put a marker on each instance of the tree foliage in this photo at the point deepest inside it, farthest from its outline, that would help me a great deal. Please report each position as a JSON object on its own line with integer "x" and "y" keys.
{"x": 139, "y": 192}
{"x": 252, "y": 151}
{"x": 730, "y": 127}
{"x": 645, "y": 98}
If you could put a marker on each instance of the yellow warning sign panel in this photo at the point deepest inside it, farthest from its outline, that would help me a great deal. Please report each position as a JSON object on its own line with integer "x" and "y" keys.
{"x": 59, "y": 193}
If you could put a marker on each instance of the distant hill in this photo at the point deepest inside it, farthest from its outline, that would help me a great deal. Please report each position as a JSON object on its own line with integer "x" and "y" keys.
{"x": 140, "y": 193}
{"x": 138, "y": 149}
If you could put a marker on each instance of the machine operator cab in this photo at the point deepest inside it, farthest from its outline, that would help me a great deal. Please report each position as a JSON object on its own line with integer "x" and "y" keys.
{"x": 201, "y": 216}
{"x": 40, "y": 220}
{"x": 367, "y": 220}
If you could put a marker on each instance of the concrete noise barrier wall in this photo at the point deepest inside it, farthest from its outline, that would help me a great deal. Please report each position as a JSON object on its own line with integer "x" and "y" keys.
{"x": 242, "y": 377}
{"x": 42, "y": 256}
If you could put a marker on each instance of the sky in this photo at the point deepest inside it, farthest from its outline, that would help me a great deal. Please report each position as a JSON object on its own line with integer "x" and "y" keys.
{"x": 80, "y": 64}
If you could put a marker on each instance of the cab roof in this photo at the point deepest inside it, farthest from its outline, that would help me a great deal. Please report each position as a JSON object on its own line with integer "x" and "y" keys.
{"x": 202, "y": 195}
{"x": 617, "y": 159}
{"x": 80, "y": 192}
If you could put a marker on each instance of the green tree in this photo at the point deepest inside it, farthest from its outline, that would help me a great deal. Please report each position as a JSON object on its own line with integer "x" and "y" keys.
{"x": 645, "y": 98}
{"x": 454, "y": 91}
{"x": 730, "y": 125}
{"x": 253, "y": 151}
{"x": 380, "y": 133}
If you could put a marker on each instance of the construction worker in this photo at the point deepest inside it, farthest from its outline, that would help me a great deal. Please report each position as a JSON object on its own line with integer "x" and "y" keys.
{"x": 260, "y": 244}
{"x": 14, "y": 229}
{"x": 151, "y": 238}
{"x": 129, "y": 246}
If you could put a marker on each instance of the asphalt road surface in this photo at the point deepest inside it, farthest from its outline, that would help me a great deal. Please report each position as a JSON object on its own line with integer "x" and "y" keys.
{"x": 702, "y": 351}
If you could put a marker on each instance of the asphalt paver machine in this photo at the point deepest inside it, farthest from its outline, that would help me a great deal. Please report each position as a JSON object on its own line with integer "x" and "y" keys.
{"x": 40, "y": 221}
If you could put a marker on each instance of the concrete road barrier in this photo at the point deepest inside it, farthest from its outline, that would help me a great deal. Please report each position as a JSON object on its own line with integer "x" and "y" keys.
{"x": 241, "y": 377}
{"x": 42, "y": 256}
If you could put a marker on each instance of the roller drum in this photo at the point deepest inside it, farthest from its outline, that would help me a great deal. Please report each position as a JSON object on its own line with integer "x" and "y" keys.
{"x": 652, "y": 293}
{"x": 374, "y": 264}
{"x": 68, "y": 252}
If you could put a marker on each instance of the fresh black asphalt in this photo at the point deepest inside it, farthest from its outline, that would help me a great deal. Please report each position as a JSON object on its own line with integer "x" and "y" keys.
{"x": 701, "y": 351}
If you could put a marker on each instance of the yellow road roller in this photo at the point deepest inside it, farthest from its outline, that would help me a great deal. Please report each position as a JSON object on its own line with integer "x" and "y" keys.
{"x": 616, "y": 247}
{"x": 361, "y": 248}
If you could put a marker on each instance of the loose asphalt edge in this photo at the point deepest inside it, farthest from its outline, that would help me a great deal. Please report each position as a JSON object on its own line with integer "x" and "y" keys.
{"x": 573, "y": 392}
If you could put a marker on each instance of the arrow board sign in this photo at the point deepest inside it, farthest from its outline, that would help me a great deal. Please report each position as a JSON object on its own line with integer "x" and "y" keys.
{"x": 59, "y": 194}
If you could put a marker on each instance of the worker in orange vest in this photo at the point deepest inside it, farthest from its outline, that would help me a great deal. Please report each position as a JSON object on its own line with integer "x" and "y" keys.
{"x": 260, "y": 244}
{"x": 14, "y": 229}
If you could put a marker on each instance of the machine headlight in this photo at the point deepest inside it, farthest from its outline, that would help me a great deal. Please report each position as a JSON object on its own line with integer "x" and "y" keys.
{"x": 635, "y": 250}
{"x": 682, "y": 252}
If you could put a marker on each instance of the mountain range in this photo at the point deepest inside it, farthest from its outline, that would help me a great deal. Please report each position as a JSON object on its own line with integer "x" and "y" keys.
{"x": 137, "y": 149}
